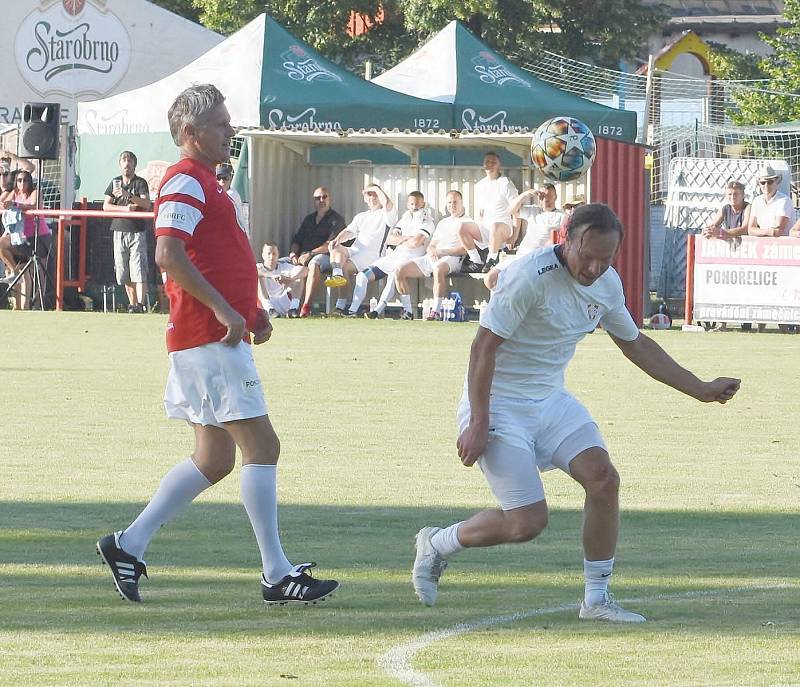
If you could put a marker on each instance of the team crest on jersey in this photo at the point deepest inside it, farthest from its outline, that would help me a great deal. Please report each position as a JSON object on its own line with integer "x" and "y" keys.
{"x": 592, "y": 309}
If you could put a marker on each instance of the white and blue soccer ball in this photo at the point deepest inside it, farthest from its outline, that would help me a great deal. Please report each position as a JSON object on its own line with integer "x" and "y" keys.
{"x": 563, "y": 148}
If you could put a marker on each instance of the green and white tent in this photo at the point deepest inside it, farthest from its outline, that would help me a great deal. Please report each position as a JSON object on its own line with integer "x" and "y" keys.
{"x": 487, "y": 93}
{"x": 271, "y": 80}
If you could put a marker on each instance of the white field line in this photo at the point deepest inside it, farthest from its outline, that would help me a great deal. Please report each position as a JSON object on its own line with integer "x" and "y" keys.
{"x": 397, "y": 661}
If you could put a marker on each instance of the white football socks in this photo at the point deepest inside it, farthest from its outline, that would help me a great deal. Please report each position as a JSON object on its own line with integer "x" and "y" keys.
{"x": 178, "y": 488}
{"x": 445, "y": 541}
{"x": 341, "y": 303}
{"x": 437, "y": 303}
{"x": 260, "y": 499}
{"x": 493, "y": 256}
{"x": 597, "y": 575}
{"x": 405, "y": 300}
{"x": 474, "y": 255}
{"x": 359, "y": 291}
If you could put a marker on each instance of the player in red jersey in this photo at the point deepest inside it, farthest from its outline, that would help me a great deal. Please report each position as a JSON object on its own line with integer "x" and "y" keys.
{"x": 213, "y": 383}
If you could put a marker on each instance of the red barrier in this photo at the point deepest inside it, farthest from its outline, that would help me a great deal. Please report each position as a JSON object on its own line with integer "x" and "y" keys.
{"x": 77, "y": 218}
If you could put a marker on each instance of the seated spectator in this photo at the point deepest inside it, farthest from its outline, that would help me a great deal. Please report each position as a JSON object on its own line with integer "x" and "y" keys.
{"x": 129, "y": 192}
{"x": 225, "y": 179}
{"x": 369, "y": 229}
{"x": 495, "y": 227}
{"x": 20, "y": 232}
{"x": 279, "y": 283}
{"x": 309, "y": 247}
{"x": 732, "y": 219}
{"x": 9, "y": 165}
{"x": 771, "y": 212}
{"x": 443, "y": 256}
{"x": 405, "y": 242}
{"x": 541, "y": 219}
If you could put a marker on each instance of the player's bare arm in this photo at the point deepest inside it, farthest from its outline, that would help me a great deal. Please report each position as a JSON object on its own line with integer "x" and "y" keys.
{"x": 472, "y": 442}
{"x": 386, "y": 202}
{"x": 171, "y": 258}
{"x": 647, "y": 355}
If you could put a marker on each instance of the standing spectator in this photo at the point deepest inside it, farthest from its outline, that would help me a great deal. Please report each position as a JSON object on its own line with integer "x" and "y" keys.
{"x": 771, "y": 212}
{"x": 213, "y": 383}
{"x": 495, "y": 228}
{"x": 129, "y": 192}
{"x": 310, "y": 243}
{"x": 225, "y": 179}
{"x": 443, "y": 256}
{"x": 733, "y": 218}
{"x": 369, "y": 229}
{"x": 17, "y": 242}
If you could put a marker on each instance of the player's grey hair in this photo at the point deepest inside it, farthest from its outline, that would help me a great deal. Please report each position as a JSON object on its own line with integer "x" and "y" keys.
{"x": 596, "y": 217}
{"x": 192, "y": 106}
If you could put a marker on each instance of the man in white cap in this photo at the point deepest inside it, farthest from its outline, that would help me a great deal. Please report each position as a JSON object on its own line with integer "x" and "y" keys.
{"x": 771, "y": 213}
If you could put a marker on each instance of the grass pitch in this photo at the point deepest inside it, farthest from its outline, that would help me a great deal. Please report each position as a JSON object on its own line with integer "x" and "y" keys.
{"x": 365, "y": 413}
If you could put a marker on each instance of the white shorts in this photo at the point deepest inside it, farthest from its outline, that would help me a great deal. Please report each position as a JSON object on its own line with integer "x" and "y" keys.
{"x": 486, "y": 227}
{"x": 362, "y": 256}
{"x": 426, "y": 265}
{"x": 527, "y": 437}
{"x": 214, "y": 384}
{"x": 394, "y": 259}
{"x": 280, "y": 303}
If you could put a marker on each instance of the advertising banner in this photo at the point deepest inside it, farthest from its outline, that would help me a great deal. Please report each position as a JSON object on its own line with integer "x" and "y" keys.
{"x": 749, "y": 279}
{"x": 68, "y": 51}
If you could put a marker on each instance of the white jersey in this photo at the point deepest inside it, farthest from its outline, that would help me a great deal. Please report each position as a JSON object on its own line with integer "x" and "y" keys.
{"x": 268, "y": 278}
{"x": 542, "y": 312}
{"x": 371, "y": 227}
{"x": 413, "y": 224}
{"x": 446, "y": 234}
{"x": 494, "y": 197}
{"x": 769, "y": 213}
{"x": 539, "y": 227}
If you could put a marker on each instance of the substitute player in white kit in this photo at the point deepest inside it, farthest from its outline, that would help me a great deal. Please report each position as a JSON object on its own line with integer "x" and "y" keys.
{"x": 443, "y": 256}
{"x": 516, "y": 419}
{"x": 496, "y": 227}
{"x": 213, "y": 383}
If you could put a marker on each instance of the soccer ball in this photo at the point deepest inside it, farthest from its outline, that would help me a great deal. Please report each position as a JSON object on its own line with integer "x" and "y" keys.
{"x": 563, "y": 148}
{"x": 660, "y": 321}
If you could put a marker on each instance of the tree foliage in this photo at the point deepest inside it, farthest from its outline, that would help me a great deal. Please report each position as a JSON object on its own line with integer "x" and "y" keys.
{"x": 778, "y": 100}
{"x": 603, "y": 31}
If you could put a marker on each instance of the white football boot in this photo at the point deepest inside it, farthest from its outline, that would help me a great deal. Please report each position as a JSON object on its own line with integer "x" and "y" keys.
{"x": 428, "y": 567}
{"x": 609, "y": 611}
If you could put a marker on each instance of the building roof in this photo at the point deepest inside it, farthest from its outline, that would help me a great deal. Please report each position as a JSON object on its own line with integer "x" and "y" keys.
{"x": 726, "y": 15}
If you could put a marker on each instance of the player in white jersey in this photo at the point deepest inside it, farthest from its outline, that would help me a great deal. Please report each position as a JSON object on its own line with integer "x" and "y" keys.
{"x": 443, "y": 256}
{"x": 516, "y": 418}
{"x": 405, "y": 242}
{"x": 279, "y": 283}
{"x": 496, "y": 227}
{"x": 370, "y": 229}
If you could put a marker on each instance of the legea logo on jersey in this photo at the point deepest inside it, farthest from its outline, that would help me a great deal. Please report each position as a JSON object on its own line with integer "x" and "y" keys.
{"x": 472, "y": 121}
{"x": 300, "y": 66}
{"x": 72, "y": 47}
{"x": 278, "y": 119}
{"x": 492, "y": 72}
{"x": 592, "y": 309}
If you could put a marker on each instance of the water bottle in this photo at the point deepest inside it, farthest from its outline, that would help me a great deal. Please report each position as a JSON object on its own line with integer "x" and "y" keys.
{"x": 373, "y": 304}
{"x": 447, "y": 309}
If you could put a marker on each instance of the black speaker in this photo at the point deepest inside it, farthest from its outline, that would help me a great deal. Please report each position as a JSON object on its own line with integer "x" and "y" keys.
{"x": 38, "y": 134}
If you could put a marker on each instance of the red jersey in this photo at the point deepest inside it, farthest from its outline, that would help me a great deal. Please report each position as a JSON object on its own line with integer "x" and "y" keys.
{"x": 193, "y": 207}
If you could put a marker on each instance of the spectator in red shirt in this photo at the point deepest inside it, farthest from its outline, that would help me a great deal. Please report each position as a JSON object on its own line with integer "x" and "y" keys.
{"x": 213, "y": 383}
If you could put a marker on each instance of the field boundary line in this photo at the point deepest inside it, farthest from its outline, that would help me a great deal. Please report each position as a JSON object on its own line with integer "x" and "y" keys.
{"x": 396, "y": 662}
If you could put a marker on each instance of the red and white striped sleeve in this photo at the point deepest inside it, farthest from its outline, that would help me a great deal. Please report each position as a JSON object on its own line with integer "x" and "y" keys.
{"x": 180, "y": 206}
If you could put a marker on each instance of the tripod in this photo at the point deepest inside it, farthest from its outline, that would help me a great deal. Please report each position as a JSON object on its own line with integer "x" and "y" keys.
{"x": 33, "y": 261}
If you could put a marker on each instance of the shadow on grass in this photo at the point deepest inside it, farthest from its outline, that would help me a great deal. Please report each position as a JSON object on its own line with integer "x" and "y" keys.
{"x": 205, "y": 565}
